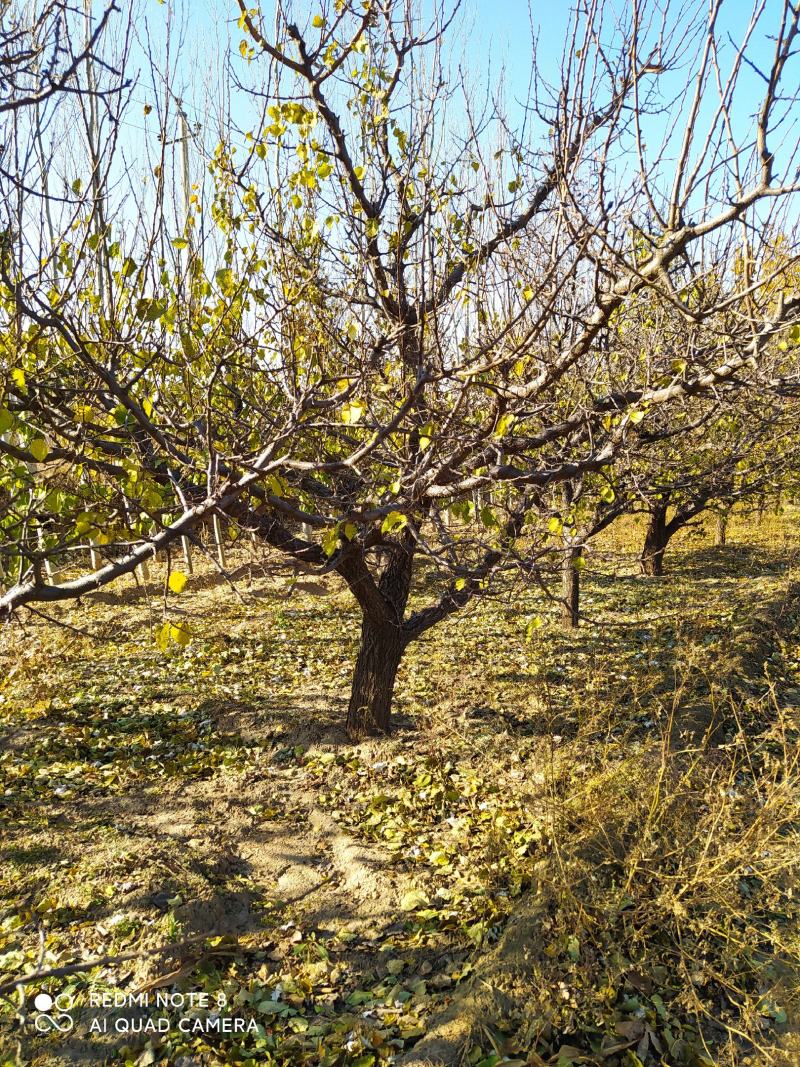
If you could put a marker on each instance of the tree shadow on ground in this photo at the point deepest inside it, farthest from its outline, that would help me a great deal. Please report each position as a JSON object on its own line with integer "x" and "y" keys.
{"x": 217, "y": 855}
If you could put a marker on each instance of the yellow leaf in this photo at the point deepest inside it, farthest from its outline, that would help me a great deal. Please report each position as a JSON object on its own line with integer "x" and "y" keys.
{"x": 504, "y": 424}
{"x": 393, "y": 522}
{"x": 162, "y": 637}
{"x": 318, "y": 22}
{"x": 415, "y": 898}
{"x": 177, "y": 581}
{"x": 330, "y": 540}
{"x": 180, "y": 634}
{"x": 352, "y": 412}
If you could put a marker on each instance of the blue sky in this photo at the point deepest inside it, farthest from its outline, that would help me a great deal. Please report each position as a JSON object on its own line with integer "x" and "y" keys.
{"x": 490, "y": 34}
{"x": 488, "y": 37}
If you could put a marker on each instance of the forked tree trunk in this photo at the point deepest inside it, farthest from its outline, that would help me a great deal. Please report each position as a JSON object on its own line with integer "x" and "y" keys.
{"x": 383, "y": 641}
{"x": 373, "y": 679}
{"x": 655, "y": 543}
{"x": 571, "y": 587}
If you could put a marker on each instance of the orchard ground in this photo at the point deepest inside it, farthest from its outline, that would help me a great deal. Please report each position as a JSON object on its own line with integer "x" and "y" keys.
{"x": 576, "y": 848}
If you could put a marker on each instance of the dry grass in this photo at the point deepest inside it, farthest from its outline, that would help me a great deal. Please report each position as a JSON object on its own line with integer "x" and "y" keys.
{"x": 601, "y": 827}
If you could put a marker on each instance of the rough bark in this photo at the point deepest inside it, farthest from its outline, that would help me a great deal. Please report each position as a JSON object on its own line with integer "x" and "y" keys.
{"x": 570, "y": 587}
{"x": 655, "y": 542}
{"x": 383, "y": 641}
{"x": 379, "y": 656}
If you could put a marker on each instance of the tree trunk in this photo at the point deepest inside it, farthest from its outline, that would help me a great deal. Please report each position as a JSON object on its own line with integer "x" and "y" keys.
{"x": 571, "y": 587}
{"x": 383, "y": 642}
{"x": 721, "y": 537}
{"x": 655, "y": 543}
{"x": 374, "y": 676}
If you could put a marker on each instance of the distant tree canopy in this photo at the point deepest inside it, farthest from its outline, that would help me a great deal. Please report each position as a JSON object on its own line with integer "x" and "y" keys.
{"x": 384, "y": 326}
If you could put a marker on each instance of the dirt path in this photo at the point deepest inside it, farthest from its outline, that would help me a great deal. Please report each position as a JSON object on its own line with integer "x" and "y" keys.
{"x": 299, "y": 858}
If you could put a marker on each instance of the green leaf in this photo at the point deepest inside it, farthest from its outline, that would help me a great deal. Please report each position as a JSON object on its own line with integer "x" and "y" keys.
{"x": 180, "y": 242}
{"x": 225, "y": 280}
{"x": 177, "y": 581}
{"x": 636, "y": 417}
{"x": 150, "y": 310}
{"x": 607, "y": 494}
{"x": 271, "y": 1007}
{"x": 6, "y": 420}
{"x": 38, "y": 449}
{"x": 276, "y": 485}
